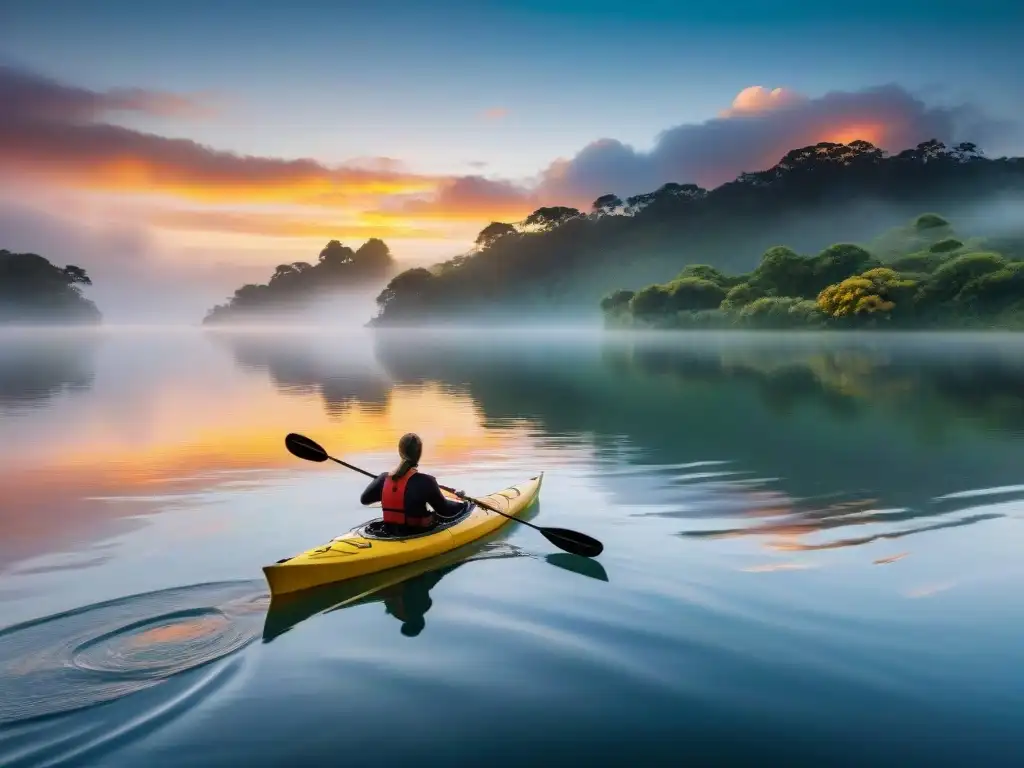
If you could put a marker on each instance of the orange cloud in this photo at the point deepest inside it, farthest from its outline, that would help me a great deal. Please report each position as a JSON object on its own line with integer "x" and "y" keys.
{"x": 59, "y": 134}
{"x": 495, "y": 113}
{"x": 755, "y": 99}
{"x": 56, "y": 133}
{"x": 759, "y": 128}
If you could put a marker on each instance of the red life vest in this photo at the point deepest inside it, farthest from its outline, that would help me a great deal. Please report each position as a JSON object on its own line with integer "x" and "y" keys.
{"x": 392, "y": 501}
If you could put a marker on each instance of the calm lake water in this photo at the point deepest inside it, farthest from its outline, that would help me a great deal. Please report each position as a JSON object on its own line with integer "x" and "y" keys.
{"x": 813, "y": 550}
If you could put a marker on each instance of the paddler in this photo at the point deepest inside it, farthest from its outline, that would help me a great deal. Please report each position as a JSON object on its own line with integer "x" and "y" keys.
{"x": 405, "y": 493}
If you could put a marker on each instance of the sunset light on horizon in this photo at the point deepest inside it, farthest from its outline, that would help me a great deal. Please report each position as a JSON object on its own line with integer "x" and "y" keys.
{"x": 166, "y": 164}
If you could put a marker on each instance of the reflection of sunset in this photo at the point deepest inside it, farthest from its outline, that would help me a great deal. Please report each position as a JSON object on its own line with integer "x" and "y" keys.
{"x": 180, "y": 632}
{"x": 182, "y": 433}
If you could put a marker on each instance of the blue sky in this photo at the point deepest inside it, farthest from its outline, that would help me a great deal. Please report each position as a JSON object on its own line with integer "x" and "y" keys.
{"x": 409, "y": 79}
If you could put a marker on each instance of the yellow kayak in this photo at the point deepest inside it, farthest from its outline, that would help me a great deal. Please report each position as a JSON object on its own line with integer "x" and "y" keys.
{"x": 367, "y": 549}
{"x": 407, "y": 585}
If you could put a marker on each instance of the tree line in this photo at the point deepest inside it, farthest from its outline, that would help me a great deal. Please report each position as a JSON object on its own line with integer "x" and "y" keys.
{"x": 561, "y": 257}
{"x": 918, "y": 275}
{"x": 294, "y": 285}
{"x": 35, "y": 291}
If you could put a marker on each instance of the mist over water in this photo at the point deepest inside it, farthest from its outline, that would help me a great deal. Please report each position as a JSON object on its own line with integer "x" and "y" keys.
{"x": 812, "y": 547}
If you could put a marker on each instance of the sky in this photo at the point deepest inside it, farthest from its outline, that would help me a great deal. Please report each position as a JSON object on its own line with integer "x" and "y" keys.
{"x": 175, "y": 149}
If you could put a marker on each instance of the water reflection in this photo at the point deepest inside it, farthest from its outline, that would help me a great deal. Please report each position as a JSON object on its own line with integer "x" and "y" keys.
{"x": 404, "y": 591}
{"x": 170, "y": 417}
{"x": 299, "y": 365}
{"x": 803, "y": 435}
{"x": 37, "y": 366}
{"x": 102, "y": 652}
{"x": 584, "y": 566}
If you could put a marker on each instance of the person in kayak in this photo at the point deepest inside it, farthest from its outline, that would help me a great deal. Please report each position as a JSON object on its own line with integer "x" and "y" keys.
{"x": 406, "y": 492}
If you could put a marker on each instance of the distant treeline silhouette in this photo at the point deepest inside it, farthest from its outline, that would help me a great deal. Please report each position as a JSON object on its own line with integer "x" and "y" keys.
{"x": 563, "y": 259}
{"x": 34, "y": 291}
{"x": 294, "y": 285}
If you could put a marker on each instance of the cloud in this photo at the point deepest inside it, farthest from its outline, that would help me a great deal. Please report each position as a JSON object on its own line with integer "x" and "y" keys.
{"x": 29, "y": 96}
{"x": 494, "y": 113}
{"x": 757, "y": 98}
{"x": 759, "y": 128}
{"x": 54, "y": 132}
{"x": 281, "y": 225}
{"x": 62, "y": 135}
{"x": 471, "y": 198}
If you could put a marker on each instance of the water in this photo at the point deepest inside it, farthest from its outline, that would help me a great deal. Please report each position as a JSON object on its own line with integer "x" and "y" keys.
{"x": 812, "y": 550}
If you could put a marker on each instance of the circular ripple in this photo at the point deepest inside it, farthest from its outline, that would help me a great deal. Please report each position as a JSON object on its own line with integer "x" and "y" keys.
{"x": 102, "y": 652}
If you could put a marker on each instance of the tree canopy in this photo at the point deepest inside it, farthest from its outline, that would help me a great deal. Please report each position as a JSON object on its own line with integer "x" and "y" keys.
{"x": 35, "y": 291}
{"x": 948, "y": 282}
{"x": 294, "y": 285}
{"x": 559, "y": 257}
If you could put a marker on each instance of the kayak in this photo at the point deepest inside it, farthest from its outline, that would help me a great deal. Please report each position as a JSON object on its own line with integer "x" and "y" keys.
{"x": 408, "y": 586}
{"x": 368, "y": 548}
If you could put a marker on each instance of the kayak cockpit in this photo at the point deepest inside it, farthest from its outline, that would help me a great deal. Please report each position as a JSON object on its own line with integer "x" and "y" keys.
{"x": 378, "y": 529}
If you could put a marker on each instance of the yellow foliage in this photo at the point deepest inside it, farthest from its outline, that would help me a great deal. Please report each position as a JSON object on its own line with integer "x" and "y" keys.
{"x": 859, "y": 295}
{"x": 882, "y": 274}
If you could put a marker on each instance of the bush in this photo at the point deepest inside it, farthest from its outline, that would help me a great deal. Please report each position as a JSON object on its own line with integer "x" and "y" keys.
{"x": 704, "y": 272}
{"x": 693, "y": 293}
{"x": 741, "y": 295}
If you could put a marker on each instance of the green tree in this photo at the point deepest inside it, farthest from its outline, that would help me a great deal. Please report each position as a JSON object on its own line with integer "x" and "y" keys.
{"x": 994, "y": 291}
{"x": 607, "y": 205}
{"x": 336, "y": 254}
{"x": 953, "y": 275}
{"x": 838, "y": 262}
{"x": 782, "y": 272}
{"x": 33, "y": 290}
{"x": 494, "y": 232}
{"x": 740, "y": 295}
{"x": 550, "y": 217}
{"x": 693, "y": 293}
{"x": 373, "y": 256}
{"x": 617, "y": 302}
{"x": 650, "y": 301}
{"x": 705, "y": 272}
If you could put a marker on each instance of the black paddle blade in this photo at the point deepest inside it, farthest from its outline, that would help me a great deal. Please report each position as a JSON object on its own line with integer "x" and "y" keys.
{"x": 304, "y": 448}
{"x": 573, "y": 541}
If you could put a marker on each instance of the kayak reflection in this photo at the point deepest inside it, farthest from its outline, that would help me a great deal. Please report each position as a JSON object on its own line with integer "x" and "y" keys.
{"x": 409, "y": 601}
{"x": 404, "y": 591}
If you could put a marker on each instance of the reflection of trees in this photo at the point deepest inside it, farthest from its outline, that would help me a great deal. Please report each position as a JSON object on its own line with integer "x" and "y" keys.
{"x": 875, "y": 427}
{"x": 37, "y": 366}
{"x": 300, "y": 367}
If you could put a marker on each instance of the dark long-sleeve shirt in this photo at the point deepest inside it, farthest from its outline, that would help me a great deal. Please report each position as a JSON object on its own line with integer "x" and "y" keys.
{"x": 420, "y": 491}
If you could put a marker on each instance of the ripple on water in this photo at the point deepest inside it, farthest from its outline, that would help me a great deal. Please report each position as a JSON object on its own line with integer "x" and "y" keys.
{"x": 102, "y": 652}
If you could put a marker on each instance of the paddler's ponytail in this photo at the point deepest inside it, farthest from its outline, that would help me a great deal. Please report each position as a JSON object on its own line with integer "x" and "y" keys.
{"x": 410, "y": 448}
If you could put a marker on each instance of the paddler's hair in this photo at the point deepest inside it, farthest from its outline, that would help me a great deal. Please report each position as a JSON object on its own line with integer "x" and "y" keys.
{"x": 410, "y": 448}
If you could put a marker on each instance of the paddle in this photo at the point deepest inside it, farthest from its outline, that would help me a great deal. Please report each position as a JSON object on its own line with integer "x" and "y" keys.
{"x": 571, "y": 541}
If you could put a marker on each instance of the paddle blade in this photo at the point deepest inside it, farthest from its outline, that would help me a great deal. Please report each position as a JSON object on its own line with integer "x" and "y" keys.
{"x": 304, "y": 448}
{"x": 573, "y": 541}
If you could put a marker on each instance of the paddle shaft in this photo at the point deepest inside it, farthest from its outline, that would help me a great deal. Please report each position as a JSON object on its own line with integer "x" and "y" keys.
{"x": 443, "y": 488}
